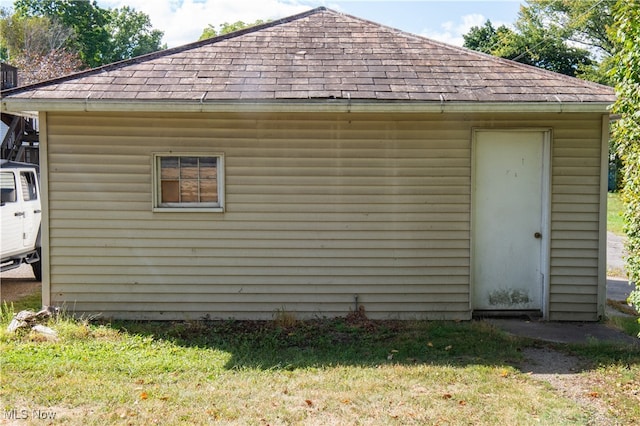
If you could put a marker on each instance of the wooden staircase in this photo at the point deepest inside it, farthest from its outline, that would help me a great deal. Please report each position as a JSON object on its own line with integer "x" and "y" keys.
{"x": 21, "y": 142}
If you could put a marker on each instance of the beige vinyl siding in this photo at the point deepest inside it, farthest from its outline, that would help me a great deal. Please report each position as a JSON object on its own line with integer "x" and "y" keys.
{"x": 319, "y": 209}
{"x": 575, "y": 222}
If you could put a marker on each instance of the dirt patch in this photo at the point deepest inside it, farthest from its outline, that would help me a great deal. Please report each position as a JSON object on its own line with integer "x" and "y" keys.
{"x": 18, "y": 283}
{"x": 565, "y": 374}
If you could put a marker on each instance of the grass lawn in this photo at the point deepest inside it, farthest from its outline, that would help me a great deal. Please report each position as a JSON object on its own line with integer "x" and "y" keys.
{"x": 615, "y": 208}
{"x": 339, "y": 371}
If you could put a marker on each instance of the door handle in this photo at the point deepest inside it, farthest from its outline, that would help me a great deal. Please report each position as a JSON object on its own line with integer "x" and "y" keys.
{"x": 37, "y": 211}
{"x": 18, "y": 214}
{"x": 537, "y": 235}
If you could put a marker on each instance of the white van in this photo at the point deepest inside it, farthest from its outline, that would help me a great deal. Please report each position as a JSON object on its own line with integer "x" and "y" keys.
{"x": 21, "y": 216}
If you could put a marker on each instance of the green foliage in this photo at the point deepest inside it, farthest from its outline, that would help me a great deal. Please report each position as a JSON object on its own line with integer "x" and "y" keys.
{"x": 37, "y": 45}
{"x": 626, "y": 33}
{"x": 85, "y": 18}
{"x": 37, "y": 35}
{"x": 487, "y": 38}
{"x": 547, "y": 34}
{"x": 226, "y": 28}
{"x": 131, "y": 35}
{"x": 581, "y": 22}
{"x": 532, "y": 47}
{"x": 100, "y": 36}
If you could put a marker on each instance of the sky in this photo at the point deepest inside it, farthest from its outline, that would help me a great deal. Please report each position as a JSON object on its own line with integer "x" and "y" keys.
{"x": 183, "y": 20}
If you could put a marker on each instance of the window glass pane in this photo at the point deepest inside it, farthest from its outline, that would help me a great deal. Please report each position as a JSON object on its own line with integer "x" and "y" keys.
{"x": 170, "y": 191}
{"x": 169, "y": 168}
{"x": 209, "y": 191}
{"x": 8, "y": 188}
{"x": 189, "y": 190}
{"x": 28, "y": 182}
{"x": 6, "y": 181}
{"x": 188, "y": 168}
{"x": 208, "y": 169}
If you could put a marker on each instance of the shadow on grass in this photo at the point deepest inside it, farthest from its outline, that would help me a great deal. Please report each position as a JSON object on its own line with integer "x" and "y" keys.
{"x": 357, "y": 341}
{"x": 339, "y": 341}
{"x": 366, "y": 343}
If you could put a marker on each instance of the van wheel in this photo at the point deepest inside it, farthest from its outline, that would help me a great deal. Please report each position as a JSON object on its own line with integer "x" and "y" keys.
{"x": 37, "y": 267}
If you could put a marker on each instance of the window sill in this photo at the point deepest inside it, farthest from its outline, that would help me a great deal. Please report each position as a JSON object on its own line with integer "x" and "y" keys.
{"x": 188, "y": 209}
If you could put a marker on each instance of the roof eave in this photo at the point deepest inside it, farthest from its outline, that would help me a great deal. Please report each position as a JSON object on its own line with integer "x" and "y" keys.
{"x": 28, "y": 106}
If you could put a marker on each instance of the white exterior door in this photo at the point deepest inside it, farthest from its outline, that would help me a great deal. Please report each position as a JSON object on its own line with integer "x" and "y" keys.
{"x": 510, "y": 215}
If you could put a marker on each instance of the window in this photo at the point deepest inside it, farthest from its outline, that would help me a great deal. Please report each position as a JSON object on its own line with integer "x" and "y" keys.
{"x": 7, "y": 188}
{"x": 184, "y": 182}
{"x": 29, "y": 189}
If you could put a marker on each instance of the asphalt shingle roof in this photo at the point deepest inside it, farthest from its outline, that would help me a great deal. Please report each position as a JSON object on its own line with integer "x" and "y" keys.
{"x": 320, "y": 54}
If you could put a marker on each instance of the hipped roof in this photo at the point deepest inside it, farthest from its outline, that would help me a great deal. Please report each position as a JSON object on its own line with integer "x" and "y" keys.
{"x": 317, "y": 56}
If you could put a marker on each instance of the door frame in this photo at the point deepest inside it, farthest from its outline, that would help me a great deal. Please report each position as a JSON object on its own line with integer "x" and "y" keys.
{"x": 545, "y": 255}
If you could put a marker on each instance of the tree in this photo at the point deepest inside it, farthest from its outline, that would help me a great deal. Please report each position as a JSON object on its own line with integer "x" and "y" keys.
{"x": 566, "y": 36}
{"x": 35, "y": 45}
{"x": 486, "y": 38}
{"x": 586, "y": 22}
{"x": 36, "y": 67}
{"x": 100, "y": 36}
{"x": 530, "y": 45}
{"x": 226, "y": 28}
{"x": 626, "y": 130}
{"x": 583, "y": 23}
{"x": 85, "y": 18}
{"x": 35, "y": 34}
{"x": 131, "y": 35}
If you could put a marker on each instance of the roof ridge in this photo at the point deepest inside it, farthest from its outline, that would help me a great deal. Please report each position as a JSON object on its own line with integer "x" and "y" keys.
{"x": 165, "y": 52}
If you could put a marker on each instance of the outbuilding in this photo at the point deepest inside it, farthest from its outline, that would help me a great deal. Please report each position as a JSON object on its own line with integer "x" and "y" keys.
{"x": 317, "y": 164}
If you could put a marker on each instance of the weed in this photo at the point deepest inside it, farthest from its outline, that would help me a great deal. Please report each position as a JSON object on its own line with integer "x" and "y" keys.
{"x": 283, "y": 318}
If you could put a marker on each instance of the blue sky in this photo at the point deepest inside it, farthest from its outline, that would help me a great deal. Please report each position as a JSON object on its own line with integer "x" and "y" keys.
{"x": 183, "y": 20}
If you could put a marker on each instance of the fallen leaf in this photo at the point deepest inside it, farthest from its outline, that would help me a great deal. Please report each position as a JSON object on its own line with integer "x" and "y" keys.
{"x": 448, "y": 348}
{"x": 140, "y": 382}
{"x": 462, "y": 402}
{"x": 594, "y": 394}
{"x": 390, "y": 356}
{"x": 144, "y": 395}
{"x": 346, "y": 401}
{"x": 309, "y": 402}
{"x": 430, "y": 344}
{"x": 504, "y": 373}
{"x": 394, "y": 351}
{"x": 164, "y": 398}
{"x": 447, "y": 396}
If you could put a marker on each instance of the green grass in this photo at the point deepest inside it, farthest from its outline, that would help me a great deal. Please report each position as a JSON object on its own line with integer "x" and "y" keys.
{"x": 31, "y": 302}
{"x": 628, "y": 324}
{"x": 339, "y": 371}
{"x": 615, "y": 222}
